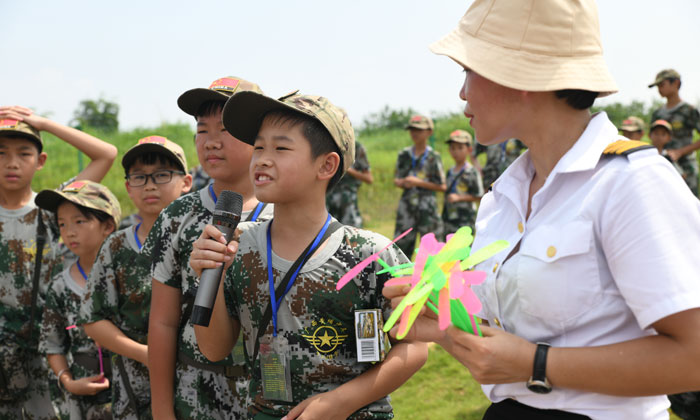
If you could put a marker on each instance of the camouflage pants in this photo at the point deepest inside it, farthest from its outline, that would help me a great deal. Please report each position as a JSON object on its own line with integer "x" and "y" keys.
{"x": 688, "y": 168}
{"x": 686, "y": 405}
{"x": 204, "y": 395}
{"x": 419, "y": 213}
{"x": 137, "y": 375}
{"x": 35, "y": 402}
{"x": 343, "y": 206}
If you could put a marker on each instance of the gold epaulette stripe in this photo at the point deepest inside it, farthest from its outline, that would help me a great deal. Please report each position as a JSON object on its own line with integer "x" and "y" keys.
{"x": 625, "y": 147}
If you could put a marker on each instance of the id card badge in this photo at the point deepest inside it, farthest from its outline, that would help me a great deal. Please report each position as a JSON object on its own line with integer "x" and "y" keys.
{"x": 372, "y": 342}
{"x": 275, "y": 369}
{"x": 237, "y": 354}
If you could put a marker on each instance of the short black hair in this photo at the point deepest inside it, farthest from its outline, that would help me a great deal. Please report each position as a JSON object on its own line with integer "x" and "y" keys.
{"x": 88, "y": 213}
{"x": 209, "y": 108}
{"x": 673, "y": 79}
{"x": 314, "y": 132}
{"x": 21, "y": 137}
{"x": 577, "y": 98}
{"x": 660, "y": 127}
{"x": 153, "y": 158}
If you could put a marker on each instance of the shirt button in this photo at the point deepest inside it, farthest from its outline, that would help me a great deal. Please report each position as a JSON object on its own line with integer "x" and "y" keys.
{"x": 551, "y": 251}
{"x": 497, "y": 322}
{"x": 521, "y": 228}
{"x": 495, "y": 267}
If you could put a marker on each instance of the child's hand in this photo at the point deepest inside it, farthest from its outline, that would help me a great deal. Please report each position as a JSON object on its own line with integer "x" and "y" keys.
{"x": 399, "y": 182}
{"x": 411, "y": 181}
{"x": 87, "y": 386}
{"x": 21, "y": 113}
{"x": 674, "y": 154}
{"x": 452, "y": 198}
{"x": 210, "y": 250}
{"x": 319, "y": 407}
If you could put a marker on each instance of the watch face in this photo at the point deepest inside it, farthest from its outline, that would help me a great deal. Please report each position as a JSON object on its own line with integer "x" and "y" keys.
{"x": 539, "y": 387}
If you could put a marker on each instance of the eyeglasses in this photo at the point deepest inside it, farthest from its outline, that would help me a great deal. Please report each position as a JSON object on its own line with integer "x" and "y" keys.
{"x": 158, "y": 177}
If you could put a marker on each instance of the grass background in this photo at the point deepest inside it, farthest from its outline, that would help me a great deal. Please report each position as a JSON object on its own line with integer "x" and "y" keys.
{"x": 443, "y": 389}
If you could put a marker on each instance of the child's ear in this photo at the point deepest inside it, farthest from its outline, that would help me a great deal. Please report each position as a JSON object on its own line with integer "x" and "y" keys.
{"x": 330, "y": 164}
{"x": 186, "y": 184}
{"x": 41, "y": 160}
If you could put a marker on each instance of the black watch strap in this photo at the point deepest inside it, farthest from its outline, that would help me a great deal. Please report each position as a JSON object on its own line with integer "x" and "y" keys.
{"x": 539, "y": 368}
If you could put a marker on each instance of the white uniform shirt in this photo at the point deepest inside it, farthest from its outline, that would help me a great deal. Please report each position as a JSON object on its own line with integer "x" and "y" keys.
{"x": 609, "y": 249}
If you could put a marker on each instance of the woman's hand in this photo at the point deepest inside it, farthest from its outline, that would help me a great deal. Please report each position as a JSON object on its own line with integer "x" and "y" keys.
{"x": 210, "y": 250}
{"x": 87, "y": 386}
{"x": 425, "y": 328}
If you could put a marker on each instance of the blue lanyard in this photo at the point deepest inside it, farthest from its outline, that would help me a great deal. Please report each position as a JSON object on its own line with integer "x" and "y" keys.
{"x": 274, "y": 302}
{"x": 212, "y": 193}
{"x": 80, "y": 268}
{"x": 257, "y": 211}
{"x": 453, "y": 186}
{"x": 422, "y": 158}
{"x": 136, "y": 229}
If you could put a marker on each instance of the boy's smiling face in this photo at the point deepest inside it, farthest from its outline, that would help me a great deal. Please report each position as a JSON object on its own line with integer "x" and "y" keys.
{"x": 19, "y": 161}
{"x": 281, "y": 167}
{"x": 222, "y": 156}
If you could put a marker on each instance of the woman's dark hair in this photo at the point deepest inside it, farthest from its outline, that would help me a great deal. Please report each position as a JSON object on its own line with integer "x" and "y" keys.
{"x": 577, "y": 98}
{"x": 314, "y": 132}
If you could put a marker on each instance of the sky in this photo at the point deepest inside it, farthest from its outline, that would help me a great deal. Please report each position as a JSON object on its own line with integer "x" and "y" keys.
{"x": 360, "y": 54}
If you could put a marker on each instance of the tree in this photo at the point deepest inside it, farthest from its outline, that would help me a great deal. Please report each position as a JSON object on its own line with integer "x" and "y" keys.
{"x": 100, "y": 114}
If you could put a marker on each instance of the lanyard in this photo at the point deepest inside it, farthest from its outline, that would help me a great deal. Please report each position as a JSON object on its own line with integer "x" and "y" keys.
{"x": 136, "y": 229}
{"x": 212, "y": 193}
{"x": 422, "y": 158}
{"x": 257, "y": 211}
{"x": 80, "y": 268}
{"x": 274, "y": 302}
{"x": 453, "y": 185}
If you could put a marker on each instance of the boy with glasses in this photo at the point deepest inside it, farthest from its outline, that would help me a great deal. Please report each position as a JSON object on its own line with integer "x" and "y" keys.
{"x": 116, "y": 306}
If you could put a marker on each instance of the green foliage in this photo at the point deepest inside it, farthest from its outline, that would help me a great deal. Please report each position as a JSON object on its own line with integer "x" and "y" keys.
{"x": 386, "y": 118}
{"x": 617, "y": 112}
{"x": 100, "y": 115}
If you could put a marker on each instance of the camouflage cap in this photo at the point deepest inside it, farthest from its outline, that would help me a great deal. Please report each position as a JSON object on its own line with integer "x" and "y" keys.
{"x": 420, "y": 122}
{"x": 219, "y": 90}
{"x": 665, "y": 74}
{"x": 633, "y": 123}
{"x": 243, "y": 114}
{"x": 661, "y": 123}
{"x": 155, "y": 144}
{"x": 84, "y": 193}
{"x": 460, "y": 136}
{"x": 22, "y": 129}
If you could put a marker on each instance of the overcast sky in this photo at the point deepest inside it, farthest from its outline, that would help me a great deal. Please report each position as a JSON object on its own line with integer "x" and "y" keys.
{"x": 361, "y": 54}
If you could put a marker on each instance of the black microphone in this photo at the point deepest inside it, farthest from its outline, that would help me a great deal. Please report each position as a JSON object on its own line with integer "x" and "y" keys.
{"x": 227, "y": 214}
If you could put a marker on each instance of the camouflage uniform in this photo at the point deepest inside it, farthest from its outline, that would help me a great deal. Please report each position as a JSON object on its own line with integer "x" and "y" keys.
{"x": 199, "y": 393}
{"x": 313, "y": 305}
{"x": 462, "y": 181}
{"x": 498, "y": 158}
{"x": 61, "y": 311}
{"x": 119, "y": 290}
{"x": 418, "y": 207}
{"x": 684, "y": 118}
{"x": 342, "y": 199}
{"x": 200, "y": 178}
{"x": 21, "y": 365}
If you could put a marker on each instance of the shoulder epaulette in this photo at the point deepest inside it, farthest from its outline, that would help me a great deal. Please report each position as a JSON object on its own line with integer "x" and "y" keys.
{"x": 625, "y": 147}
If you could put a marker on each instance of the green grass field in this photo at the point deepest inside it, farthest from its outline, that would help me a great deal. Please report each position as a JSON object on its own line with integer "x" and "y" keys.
{"x": 443, "y": 389}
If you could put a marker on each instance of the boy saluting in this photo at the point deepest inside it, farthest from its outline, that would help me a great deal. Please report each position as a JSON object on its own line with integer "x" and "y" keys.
{"x": 302, "y": 145}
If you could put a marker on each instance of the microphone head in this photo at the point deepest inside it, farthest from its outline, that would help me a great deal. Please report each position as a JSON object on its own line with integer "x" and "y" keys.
{"x": 229, "y": 201}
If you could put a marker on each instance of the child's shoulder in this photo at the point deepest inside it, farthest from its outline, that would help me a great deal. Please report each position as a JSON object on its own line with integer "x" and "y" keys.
{"x": 187, "y": 204}
{"x": 408, "y": 150}
{"x": 363, "y": 242}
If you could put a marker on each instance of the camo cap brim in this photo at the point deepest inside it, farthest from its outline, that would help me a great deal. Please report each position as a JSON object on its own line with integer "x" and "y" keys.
{"x": 13, "y": 127}
{"x": 155, "y": 144}
{"x": 219, "y": 90}
{"x": 84, "y": 193}
{"x": 243, "y": 115}
{"x": 665, "y": 74}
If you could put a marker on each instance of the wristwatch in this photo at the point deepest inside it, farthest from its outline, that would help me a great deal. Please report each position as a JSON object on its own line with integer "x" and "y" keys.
{"x": 538, "y": 382}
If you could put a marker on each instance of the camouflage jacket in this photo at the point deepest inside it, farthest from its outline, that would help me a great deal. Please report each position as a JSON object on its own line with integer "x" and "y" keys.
{"x": 314, "y": 318}
{"x": 119, "y": 286}
{"x": 498, "y": 158}
{"x": 349, "y": 184}
{"x": 462, "y": 181}
{"x": 168, "y": 247}
{"x": 684, "y": 118}
{"x": 342, "y": 199}
{"x": 18, "y": 229}
{"x": 428, "y": 168}
{"x": 200, "y": 178}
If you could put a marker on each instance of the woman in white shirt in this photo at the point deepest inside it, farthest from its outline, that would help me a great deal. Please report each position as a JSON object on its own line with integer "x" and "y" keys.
{"x": 594, "y": 309}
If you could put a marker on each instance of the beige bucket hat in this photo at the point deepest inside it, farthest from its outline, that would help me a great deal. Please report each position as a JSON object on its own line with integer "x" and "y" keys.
{"x": 531, "y": 45}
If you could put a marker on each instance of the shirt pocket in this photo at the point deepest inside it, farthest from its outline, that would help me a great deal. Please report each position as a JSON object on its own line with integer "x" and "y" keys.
{"x": 558, "y": 279}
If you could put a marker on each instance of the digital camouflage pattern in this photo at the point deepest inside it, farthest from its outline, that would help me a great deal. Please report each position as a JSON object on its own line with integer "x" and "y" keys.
{"x": 137, "y": 373}
{"x": 461, "y": 181}
{"x": 498, "y": 158}
{"x": 61, "y": 310}
{"x": 155, "y": 144}
{"x": 168, "y": 246}
{"x": 200, "y": 178}
{"x": 84, "y": 193}
{"x": 342, "y": 199}
{"x": 684, "y": 118}
{"x": 316, "y": 320}
{"x": 418, "y": 208}
{"x": 119, "y": 290}
{"x": 10, "y": 127}
{"x": 21, "y": 365}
